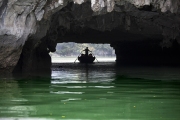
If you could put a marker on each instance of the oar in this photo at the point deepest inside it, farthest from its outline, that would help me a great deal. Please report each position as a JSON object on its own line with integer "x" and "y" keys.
{"x": 96, "y": 59}
{"x": 77, "y": 57}
{"x": 94, "y": 56}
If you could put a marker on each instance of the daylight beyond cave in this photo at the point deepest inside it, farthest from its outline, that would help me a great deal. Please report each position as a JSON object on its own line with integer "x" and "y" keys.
{"x": 74, "y": 49}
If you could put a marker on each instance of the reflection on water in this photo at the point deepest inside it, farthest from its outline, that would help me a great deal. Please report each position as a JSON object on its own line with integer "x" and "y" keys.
{"x": 98, "y": 91}
{"x": 74, "y": 59}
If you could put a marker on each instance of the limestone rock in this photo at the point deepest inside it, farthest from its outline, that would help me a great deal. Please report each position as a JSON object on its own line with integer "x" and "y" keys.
{"x": 32, "y": 21}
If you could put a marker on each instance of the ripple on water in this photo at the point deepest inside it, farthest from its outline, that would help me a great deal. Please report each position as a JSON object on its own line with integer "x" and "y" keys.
{"x": 96, "y": 93}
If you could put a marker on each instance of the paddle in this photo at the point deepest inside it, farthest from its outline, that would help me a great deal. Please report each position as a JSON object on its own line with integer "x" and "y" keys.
{"x": 94, "y": 56}
{"x": 78, "y": 56}
{"x": 96, "y": 59}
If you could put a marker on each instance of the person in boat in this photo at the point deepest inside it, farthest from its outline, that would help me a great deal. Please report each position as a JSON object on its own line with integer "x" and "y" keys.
{"x": 90, "y": 55}
{"x": 82, "y": 55}
{"x": 86, "y": 51}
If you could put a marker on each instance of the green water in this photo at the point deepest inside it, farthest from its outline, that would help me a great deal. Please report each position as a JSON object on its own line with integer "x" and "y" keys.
{"x": 94, "y": 92}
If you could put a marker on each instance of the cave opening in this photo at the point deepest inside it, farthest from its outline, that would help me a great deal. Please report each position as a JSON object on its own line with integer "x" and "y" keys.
{"x": 67, "y": 52}
{"x": 137, "y": 37}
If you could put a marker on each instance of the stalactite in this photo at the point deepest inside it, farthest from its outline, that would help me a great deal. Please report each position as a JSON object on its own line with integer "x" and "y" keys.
{"x": 96, "y": 6}
{"x": 127, "y": 22}
{"x": 110, "y": 5}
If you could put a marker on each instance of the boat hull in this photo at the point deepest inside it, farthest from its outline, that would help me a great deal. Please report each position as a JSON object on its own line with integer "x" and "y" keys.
{"x": 85, "y": 59}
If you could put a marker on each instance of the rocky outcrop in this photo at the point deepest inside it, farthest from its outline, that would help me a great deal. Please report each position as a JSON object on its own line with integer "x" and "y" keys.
{"x": 20, "y": 20}
{"x": 29, "y": 29}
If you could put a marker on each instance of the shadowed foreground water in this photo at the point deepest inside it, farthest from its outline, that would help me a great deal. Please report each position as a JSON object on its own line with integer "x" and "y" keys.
{"x": 99, "y": 91}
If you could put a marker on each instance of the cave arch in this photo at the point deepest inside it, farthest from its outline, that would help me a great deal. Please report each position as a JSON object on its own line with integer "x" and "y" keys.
{"x": 30, "y": 35}
{"x": 68, "y": 52}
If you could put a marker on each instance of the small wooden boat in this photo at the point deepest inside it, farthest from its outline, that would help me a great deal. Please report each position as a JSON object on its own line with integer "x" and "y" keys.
{"x": 86, "y": 58}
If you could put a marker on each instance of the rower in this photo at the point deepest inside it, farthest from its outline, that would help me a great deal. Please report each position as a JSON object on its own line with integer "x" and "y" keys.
{"x": 86, "y": 51}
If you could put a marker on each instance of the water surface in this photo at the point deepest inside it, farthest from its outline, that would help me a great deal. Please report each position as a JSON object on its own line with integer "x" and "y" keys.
{"x": 99, "y": 91}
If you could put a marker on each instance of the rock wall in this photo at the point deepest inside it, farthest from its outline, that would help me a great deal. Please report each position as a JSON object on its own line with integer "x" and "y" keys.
{"x": 147, "y": 52}
{"x": 21, "y": 21}
{"x": 28, "y": 33}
